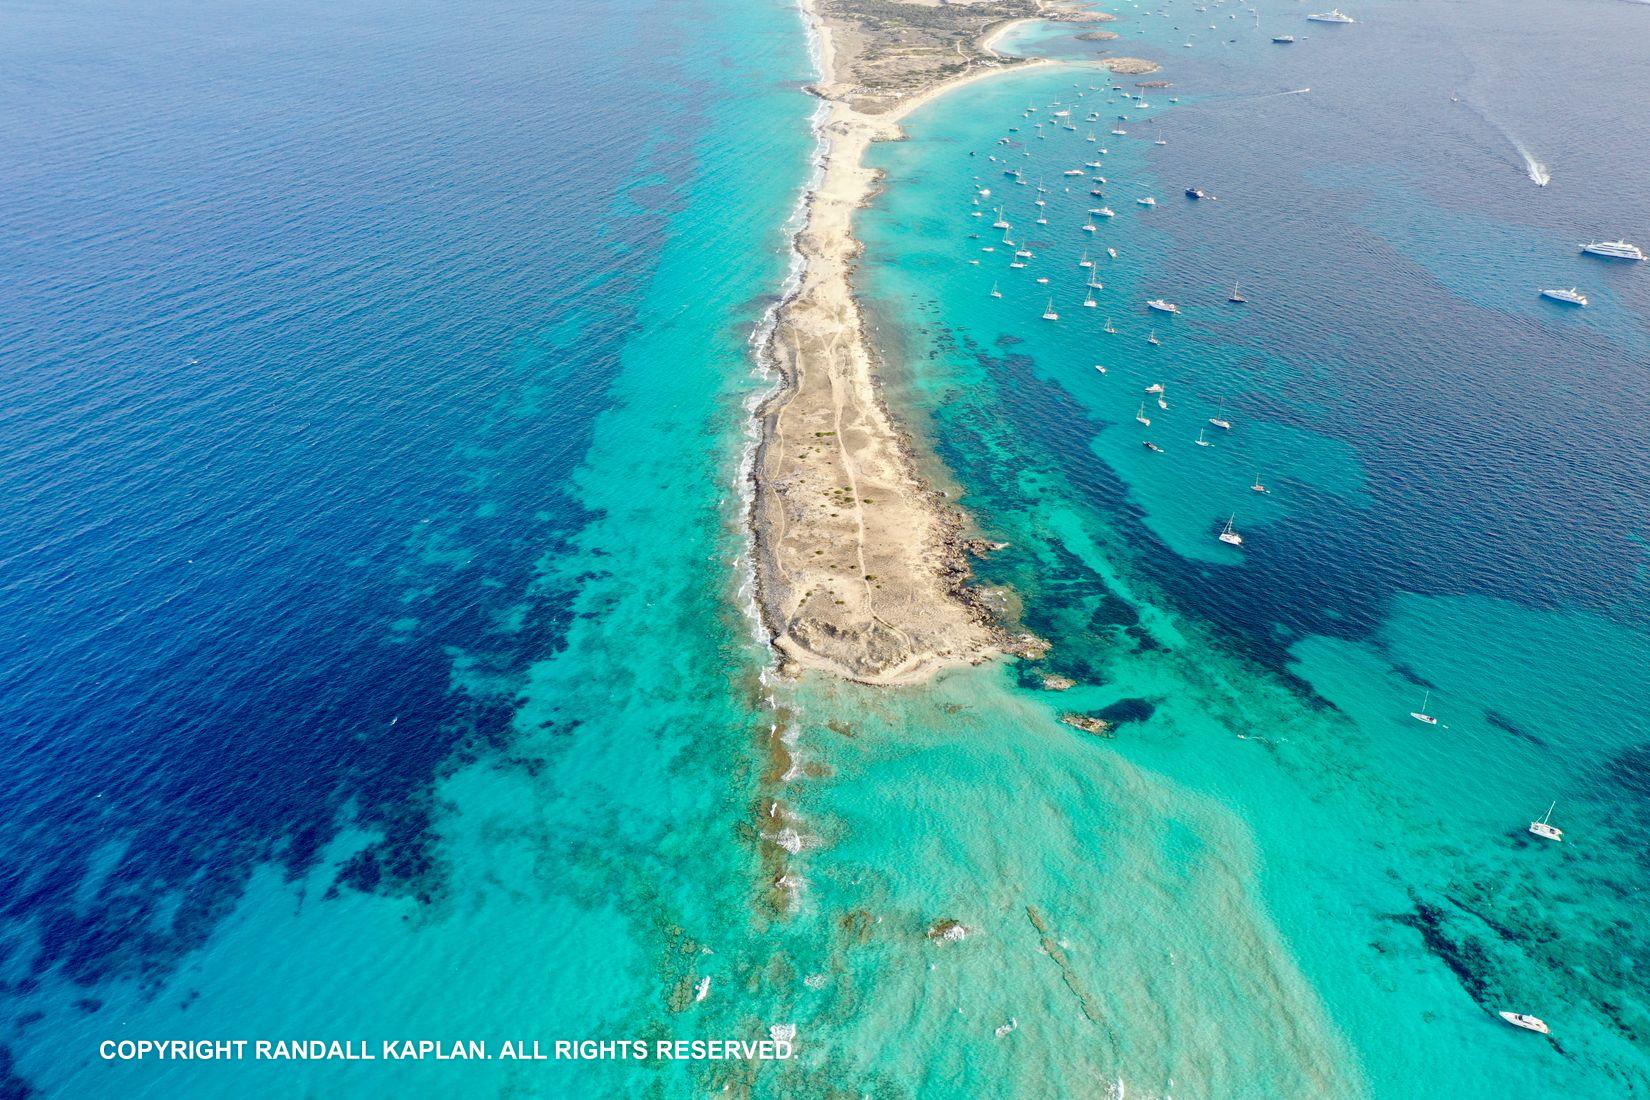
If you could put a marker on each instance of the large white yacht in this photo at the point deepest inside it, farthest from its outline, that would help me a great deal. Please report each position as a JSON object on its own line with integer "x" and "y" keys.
{"x": 1614, "y": 250}
{"x": 1559, "y": 294}
{"x": 1334, "y": 15}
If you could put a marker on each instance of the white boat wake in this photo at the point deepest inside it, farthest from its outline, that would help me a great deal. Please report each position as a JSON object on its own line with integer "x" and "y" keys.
{"x": 1534, "y": 169}
{"x": 1538, "y": 173}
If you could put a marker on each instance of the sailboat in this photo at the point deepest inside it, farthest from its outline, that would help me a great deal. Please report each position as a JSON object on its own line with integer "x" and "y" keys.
{"x": 1219, "y": 419}
{"x": 1229, "y": 536}
{"x": 1545, "y": 827}
{"x": 1422, "y": 715}
{"x": 1257, "y": 487}
{"x": 1152, "y": 339}
{"x": 1201, "y": 442}
{"x": 1235, "y": 296}
{"x": 995, "y": 293}
{"x": 1049, "y": 314}
{"x": 1141, "y": 415}
{"x": 1085, "y": 261}
{"x": 1089, "y": 302}
{"x": 1162, "y": 404}
{"x": 1109, "y": 327}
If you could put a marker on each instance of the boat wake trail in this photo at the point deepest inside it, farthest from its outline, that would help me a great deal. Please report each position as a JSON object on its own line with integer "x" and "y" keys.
{"x": 1537, "y": 172}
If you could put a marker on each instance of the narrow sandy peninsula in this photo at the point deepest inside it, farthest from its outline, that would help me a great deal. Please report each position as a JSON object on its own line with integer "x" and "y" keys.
{"x": 860, "y": 568}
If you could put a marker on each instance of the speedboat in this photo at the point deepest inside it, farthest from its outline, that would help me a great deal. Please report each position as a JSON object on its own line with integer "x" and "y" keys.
{"x": 1162, "y": 307}
{"x": 1100, "y": 368}
{"x": 1106, "y": 212}
{"x": 1333, "y": 15}
{"x": 1195, "y": 193}
{"x": 1613, "y": 250}
{"x": 1147, "y": 201}
{"x": 1527, "y": 1022}
{"x": 1155, "y": 387}
{"x": 1546, "y": 828}
{"x": 1152, "y": 447}
{"x": 1283, "y": 39}
{"x": 1571, "y": 296}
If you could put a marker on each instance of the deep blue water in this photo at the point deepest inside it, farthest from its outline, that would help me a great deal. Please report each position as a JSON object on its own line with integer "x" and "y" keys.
{"x": 371, "y": 653}
{"x": 307, "y": 315}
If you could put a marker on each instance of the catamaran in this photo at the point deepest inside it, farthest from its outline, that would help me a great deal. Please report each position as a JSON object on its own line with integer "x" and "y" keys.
{"x": 1085, "y": 261}
{"x": 1422, "y": 715}
{"x": 1229, "y": 536}
{"x": 995, "y": 293}
{"x": 1545, "y": 827}
{"x": 1048, "y": 312}
{"x": 1109, "y": 328}
{"x": 1089, "y": 301}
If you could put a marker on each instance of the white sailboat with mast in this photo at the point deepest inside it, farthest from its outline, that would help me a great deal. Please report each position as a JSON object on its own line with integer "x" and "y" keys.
{"x": 1545, "y": 827}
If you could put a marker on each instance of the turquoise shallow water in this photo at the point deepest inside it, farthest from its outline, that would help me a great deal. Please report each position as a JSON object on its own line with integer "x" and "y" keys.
{"x": 418, "y": 696}
{"x": 1399, "y": 387}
